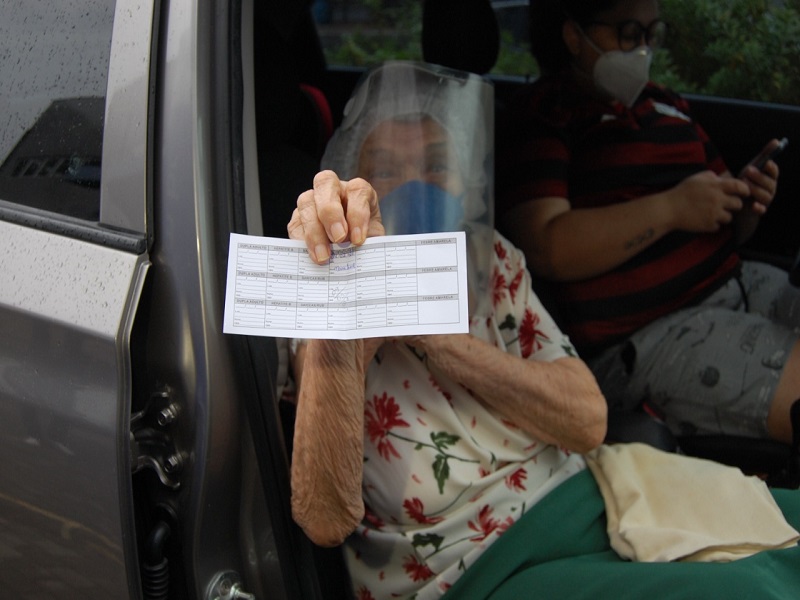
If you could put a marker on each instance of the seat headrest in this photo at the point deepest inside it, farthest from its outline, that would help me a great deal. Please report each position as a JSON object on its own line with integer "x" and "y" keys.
{"x": 460, "y": 34}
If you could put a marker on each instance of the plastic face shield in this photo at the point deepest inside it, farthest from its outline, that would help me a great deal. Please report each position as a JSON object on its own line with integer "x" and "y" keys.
{"x": 422, "y": 135}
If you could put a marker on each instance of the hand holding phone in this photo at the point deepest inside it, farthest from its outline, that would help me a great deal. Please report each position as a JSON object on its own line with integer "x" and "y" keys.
{"x": 768, "y": 154}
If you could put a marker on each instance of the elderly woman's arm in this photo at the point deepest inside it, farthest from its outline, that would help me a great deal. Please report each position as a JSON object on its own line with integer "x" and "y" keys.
{"x": 557, "y": 402}
{"x": 328, "y": 440}
{"x": 328, "y": 436}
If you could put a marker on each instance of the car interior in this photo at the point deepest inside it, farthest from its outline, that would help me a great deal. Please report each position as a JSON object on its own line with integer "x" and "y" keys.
{"x": 298, "y": 102}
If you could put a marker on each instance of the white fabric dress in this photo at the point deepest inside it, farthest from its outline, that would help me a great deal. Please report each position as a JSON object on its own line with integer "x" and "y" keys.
{"x": 444, "y": 476}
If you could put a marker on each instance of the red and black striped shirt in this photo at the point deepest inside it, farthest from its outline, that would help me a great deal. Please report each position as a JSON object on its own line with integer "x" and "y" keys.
{"x": 563, "y": 144}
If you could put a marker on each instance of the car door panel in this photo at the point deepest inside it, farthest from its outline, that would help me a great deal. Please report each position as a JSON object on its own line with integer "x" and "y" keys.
{"x": 66, "y": 313}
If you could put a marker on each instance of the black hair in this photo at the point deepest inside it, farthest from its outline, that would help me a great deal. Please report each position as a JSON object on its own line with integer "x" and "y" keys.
{"x": 546, "y": 22}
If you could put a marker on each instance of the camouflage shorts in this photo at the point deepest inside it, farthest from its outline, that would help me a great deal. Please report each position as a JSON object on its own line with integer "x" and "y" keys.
{"x": 712, "y": 368}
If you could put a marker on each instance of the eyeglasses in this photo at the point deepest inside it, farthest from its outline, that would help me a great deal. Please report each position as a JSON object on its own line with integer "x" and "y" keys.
{"x": 630, "y": 33}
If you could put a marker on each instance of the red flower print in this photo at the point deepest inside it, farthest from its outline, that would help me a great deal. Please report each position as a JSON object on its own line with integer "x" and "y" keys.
{"x": 374, "y": 520}
{"x": 529, "y": 336}
{"x": 514, "y": 286}
{"x": 498, "y": 287}
{"x": 448, "y": 396}
{"x": 416, "y": 510}
{"x": 416, "y": 570}
{"x": 406, "y": 384}
{"x": 515, "y": 481}
{"x": 485, "y": 524}
{"x": 364, "y": 594}
{"x": 500, "y": 250}
{"x": 382, "y": 415}
{"x": 503, "y": 527}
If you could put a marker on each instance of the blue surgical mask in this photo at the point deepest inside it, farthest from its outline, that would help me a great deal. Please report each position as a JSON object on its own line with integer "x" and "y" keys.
{"x": 419, "y": 207}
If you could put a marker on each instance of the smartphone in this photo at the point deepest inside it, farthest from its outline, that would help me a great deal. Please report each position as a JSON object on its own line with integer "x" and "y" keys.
{"x": 761, "y": 159}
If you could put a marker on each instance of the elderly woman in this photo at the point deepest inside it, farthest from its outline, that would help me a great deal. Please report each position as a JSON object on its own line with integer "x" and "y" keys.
{"x": 421, "y": 452}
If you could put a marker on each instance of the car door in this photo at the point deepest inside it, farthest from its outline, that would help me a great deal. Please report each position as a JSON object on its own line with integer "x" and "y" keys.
{"x": 144, "y": 455}
{"x": 73, "y": 263}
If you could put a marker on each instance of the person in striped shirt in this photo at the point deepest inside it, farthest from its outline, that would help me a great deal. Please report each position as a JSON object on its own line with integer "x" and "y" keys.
{"x": 629, "y": 215}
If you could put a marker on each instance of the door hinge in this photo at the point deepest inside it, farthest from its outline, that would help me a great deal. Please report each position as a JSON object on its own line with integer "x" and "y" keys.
{"x": 151, "y": 440}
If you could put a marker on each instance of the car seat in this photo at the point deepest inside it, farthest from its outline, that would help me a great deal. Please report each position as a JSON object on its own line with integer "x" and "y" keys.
{"x": 460, "y": 34}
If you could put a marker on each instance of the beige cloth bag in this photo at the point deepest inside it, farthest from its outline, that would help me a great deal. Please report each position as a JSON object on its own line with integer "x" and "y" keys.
{"x": 664, "y": 507}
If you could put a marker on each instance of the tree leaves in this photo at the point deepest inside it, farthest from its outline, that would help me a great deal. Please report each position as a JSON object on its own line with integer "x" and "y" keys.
{"x": 747, "y": 49}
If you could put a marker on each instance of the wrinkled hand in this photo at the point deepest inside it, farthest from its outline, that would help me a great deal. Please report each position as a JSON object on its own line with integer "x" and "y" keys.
{"x": 706, "y": 201}
{"x": 762, "y": 183}
{"x": 335, "y": 211}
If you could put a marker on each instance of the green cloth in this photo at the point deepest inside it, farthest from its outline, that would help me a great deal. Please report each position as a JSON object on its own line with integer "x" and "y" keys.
{"x": 559, "y": 549}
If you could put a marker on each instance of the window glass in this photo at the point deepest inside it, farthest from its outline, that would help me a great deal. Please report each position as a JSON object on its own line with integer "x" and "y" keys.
{"x": 746, "y": 49}
{"x": 364, "y": 33}
{"x": 54, "y": 72}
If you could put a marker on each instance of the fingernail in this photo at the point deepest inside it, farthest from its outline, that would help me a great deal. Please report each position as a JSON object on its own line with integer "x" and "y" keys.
{"x": 356, "y": 236}
{"x": 321, "y": 253}
{"x": 337, "y": 231}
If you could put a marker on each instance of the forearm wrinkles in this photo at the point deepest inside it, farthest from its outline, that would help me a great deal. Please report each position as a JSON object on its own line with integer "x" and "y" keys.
{"x": 328, "y": 441}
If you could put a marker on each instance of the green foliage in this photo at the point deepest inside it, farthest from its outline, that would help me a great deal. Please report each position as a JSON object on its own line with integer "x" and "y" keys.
{"x": 746, "y": 49}
{"x": 515, "y": 58}
{"x": 393, "y": 32}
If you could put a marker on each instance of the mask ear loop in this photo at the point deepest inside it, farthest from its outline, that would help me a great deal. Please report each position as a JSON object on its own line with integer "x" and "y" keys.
{"x": 588, "y": 40}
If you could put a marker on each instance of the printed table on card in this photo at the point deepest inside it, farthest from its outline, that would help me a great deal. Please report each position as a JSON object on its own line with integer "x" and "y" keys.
{"x": 389, "y": 286}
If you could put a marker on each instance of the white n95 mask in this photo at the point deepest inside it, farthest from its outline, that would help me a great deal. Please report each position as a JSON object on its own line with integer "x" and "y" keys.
{"x": 623, "y": 75}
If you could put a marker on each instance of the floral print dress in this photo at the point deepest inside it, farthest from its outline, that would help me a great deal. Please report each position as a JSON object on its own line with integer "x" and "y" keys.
{"x": 444, "y": 476}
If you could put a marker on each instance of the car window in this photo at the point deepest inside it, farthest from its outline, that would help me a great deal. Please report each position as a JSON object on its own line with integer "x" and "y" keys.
{"x": 364, "y": 33}
{"x": 730, "y": 48}
{"x": 54, "y": 72}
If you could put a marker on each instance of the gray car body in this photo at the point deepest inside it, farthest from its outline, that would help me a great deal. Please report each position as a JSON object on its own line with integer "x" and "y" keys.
{"x": 105, "y": 325}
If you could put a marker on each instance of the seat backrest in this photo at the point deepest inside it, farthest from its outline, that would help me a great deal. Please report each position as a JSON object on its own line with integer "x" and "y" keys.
{"x": 460, "y": 34}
